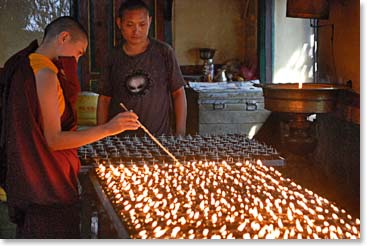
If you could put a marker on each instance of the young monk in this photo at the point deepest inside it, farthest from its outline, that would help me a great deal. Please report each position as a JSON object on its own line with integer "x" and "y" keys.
{"x": 40, "y": 89}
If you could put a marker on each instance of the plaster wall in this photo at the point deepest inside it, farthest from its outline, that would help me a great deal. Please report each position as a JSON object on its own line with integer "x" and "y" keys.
{"x": 208, "y": 24}
{"x": 23, "y": 21}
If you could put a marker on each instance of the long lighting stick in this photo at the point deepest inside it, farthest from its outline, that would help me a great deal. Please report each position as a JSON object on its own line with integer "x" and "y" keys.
{"x": 153, "y": 138}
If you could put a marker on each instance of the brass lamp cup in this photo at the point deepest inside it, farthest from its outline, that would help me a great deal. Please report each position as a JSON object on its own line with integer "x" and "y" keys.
{"x": 206, "y": 53}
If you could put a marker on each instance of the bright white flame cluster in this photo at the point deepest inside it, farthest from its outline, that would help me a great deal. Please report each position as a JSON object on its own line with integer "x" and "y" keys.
{"x": 217, "y": 200}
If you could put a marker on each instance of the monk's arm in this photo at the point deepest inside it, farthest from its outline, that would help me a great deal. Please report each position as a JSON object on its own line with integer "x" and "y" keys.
{"x": 46, "y": 82}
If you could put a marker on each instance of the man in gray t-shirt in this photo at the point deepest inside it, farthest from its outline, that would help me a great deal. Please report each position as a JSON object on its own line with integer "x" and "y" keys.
{"x": 143, "y": 74}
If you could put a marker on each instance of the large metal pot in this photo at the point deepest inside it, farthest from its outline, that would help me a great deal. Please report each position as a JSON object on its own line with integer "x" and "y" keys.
{"x": 311, "y": 98}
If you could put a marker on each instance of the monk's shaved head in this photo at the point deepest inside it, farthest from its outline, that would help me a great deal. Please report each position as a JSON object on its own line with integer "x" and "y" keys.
{"x": 65, "y": 24}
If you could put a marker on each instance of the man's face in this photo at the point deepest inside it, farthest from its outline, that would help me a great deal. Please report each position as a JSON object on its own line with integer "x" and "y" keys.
{"x": 134, "y": 25}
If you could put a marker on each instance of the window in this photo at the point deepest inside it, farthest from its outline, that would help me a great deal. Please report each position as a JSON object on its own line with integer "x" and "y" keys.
{"x": 288, "y": 46}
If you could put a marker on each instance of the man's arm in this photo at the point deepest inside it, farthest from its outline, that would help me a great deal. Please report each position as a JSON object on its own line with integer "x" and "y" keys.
{"x": 102, "y": 109}
{"x": 180, "y": 106}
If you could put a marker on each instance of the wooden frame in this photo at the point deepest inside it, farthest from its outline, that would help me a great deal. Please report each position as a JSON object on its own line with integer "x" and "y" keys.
{"x": 266, "y": 40}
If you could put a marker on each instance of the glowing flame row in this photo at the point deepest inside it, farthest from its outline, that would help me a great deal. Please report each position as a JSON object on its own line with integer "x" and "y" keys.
{"x": 217, "y": 200}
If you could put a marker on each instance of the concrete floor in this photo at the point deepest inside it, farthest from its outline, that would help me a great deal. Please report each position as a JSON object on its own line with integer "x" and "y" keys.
{"x": 341, "y": 182}
{"x": 307, "y": 174}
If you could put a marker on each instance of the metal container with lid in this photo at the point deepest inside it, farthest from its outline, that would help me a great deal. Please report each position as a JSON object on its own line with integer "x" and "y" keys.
{"x": 220, "y": 108}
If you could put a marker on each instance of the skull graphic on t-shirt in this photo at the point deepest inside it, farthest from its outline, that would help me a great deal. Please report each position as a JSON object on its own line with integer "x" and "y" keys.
{"x": 138, "y": 83}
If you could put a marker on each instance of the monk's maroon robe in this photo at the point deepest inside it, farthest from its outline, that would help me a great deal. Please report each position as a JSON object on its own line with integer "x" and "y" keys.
{"x": 35, "y": 173}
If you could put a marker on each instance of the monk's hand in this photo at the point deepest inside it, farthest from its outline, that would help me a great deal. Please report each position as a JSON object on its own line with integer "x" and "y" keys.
{"x": 123, "y": 122}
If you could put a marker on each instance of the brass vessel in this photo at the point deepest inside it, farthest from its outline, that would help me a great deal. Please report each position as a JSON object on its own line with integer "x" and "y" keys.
{"x": 311, "y": 98}
{"x": 295, "y": 105}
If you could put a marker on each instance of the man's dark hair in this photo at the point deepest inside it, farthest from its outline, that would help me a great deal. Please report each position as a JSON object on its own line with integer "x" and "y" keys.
{"x": 132, "y": 5}
{"x": 65, "y": 23}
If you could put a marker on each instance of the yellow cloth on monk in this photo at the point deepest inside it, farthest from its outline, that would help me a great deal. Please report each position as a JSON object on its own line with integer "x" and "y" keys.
{"x": 39, "y": 62}
{"x": 2, "y": 195}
